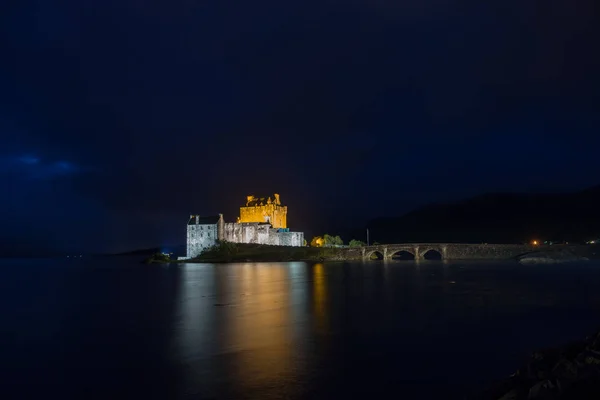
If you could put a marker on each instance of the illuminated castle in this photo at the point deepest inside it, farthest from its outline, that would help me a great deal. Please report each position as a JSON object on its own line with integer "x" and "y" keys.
{"x": 261, "y": 210}
{"x": 261, "y": 221}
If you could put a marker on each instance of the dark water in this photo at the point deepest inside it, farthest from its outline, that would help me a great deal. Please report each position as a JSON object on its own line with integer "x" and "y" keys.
{"x": 100, "y": 329}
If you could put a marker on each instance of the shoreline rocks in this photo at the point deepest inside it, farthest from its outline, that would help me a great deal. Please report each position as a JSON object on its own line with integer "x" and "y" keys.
{"x": 550, "y": 257}
{"x": 158, "y": 258}
{"x": 569, "y": 372}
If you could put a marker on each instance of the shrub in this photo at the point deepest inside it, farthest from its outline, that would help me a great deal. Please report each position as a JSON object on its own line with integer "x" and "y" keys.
{"x": 357, "y": 243}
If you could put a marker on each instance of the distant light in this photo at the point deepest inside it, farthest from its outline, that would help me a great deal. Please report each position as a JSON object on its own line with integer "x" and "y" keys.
{"x": 535, "y": 242}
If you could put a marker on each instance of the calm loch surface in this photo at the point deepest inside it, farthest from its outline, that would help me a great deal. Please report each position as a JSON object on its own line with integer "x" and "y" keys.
{"x": 108, "y": 328}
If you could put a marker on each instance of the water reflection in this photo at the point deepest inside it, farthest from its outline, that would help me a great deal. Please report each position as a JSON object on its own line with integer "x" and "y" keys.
{"x": 259, "y": 343}
{"x": 283, "y": 330}
{"x": 276, "y": 330}
{"x": 319, "y": 297}
{"x": 299, "y": 296}
{"x": 195, "y": 313}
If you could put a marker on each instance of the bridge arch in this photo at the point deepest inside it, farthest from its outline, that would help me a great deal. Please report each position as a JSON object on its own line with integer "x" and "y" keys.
{"x": 432, "y": 253}
{"x": 402, "y": 254}
{"x": 375, "y": 255}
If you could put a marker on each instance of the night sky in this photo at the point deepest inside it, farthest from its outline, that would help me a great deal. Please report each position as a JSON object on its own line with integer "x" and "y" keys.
{"x": 119, "y": 118}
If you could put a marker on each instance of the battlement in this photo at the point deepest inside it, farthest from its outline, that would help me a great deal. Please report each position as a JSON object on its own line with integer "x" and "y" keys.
{"x": 252, "y": 201}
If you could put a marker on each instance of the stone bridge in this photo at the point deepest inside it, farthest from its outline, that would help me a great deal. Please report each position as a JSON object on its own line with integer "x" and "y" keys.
{"x": 444, "y": 251}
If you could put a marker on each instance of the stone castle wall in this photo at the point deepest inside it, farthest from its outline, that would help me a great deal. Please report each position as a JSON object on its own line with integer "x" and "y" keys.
{"x": 200, "y": 238}
{"x": 246, "y": 233}
{"x": 261, "y": 234}
{"x": 291, "y": 238}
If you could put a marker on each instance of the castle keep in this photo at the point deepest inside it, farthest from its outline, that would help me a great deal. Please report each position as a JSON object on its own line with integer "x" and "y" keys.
{"x": 264, "y": 210}
{"x": 261, "y": 221}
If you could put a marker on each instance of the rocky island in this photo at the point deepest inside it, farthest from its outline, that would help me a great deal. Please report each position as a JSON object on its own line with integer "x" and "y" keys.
{"x": 224, "y": 252}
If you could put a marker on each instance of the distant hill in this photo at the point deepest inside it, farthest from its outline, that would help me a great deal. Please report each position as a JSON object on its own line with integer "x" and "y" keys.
{"x": 498, "y": 218}
{"x": 20, "y": 248}
{"x": 178, "y": 250}
{"x": 139, "y": 252}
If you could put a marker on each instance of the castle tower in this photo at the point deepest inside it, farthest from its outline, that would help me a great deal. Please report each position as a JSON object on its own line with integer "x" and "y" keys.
{"x": 264, "y": 210}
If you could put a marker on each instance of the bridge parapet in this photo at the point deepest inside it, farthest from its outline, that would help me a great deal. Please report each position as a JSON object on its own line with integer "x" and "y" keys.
{"x": 449, "y": 251}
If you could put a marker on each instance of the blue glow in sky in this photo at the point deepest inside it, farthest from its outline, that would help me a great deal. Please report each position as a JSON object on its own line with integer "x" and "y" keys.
{"x": 30, "y": 167}
{"x": 29, "y": 160}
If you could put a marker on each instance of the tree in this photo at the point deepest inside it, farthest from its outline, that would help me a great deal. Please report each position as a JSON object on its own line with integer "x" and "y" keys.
{"x": 332, "y": 241}
{"x": 317, "y": 241}
{"x": 357, "y": 243}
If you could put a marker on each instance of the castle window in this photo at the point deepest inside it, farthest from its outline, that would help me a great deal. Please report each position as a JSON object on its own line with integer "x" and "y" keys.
{"x": 208, "y": 234}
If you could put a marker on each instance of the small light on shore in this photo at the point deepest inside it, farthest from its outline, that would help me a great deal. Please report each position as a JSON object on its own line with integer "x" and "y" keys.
{"x": 535, "y": 242}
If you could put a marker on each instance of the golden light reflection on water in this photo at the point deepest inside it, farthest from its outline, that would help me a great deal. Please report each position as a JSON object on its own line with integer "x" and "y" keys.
{"x": 248, "y": 323}
{"x": 258, "y": 331}
{"x": 319, "y": 296}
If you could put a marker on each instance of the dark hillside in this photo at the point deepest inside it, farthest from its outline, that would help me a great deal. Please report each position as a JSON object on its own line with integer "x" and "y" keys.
{"x": 498, "y": 218}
